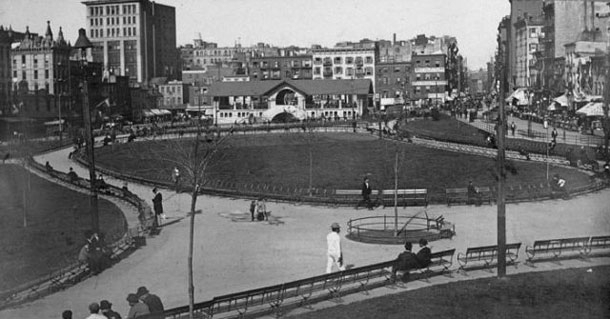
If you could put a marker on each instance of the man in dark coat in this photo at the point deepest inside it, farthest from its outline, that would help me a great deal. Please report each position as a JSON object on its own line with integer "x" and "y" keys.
{"x": 157, "y": 206}
{"x": 424, "y": 254}
{"x": 405, "y": 262}
{"x": 152, "y": 301}
{"x": 366, "y": 194}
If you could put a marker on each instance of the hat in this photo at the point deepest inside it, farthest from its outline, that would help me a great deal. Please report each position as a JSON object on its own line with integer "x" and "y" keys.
{"x": 142, "y": 291}
{"x": 133, "y": 298}
{"x": 105, "y": 304}
{"x": 94, "y": 307}
{"x": 334, "y": 226}
{"x": 423, "y": 242}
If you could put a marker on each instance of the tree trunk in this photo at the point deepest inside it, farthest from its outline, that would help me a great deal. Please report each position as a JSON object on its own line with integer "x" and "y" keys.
{"x": 191, "y": 287}
{"x": 310, "y": 171}
{"x": 396, "y": 193}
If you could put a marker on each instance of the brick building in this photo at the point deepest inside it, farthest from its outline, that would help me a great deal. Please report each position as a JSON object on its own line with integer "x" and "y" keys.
{"x": 428, "y": 79}
{"x": 281, "y": 67}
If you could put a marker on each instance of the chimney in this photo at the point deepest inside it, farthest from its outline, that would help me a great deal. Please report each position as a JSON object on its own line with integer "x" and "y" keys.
{"x": 394, "y": 43}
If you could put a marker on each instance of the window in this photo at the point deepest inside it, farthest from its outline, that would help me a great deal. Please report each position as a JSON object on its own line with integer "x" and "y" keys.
{"x": 349, "y": 60}
{"x": 349, "y": 71}
{"x": 338, "y": 60}
{"x": 368, "y": 70}
{"x": 46, "y": 74}
{"x": 396, "y": 69}
{"x": 384, "y": 80}
{"x": 317, "y": 60}
{"x": 533, "y": 32}
{"x": 35, "y": 74}
{"x": 369, "y": 59}
{"x": 437, "y": 63}
{"x": 338, "y": 70}
{"x": 533, "y": 47}
{"x": 316, "y": 70}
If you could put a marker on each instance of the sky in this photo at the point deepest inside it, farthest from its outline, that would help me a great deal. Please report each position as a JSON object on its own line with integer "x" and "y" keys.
{"x": 295, "y": 22}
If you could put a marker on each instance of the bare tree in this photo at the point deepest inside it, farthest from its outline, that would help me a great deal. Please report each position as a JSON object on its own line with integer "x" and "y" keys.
{"x": 194, "y": 157}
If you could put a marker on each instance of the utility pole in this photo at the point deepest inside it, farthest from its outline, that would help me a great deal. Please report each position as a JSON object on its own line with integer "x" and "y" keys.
{"x": 605, "y": 107}
{"x": 503, "y": 64}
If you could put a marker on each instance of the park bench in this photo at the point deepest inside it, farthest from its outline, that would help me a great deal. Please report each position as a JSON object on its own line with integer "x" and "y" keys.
{"x": 241, "y": 302}
{"x": 486, "y": 255}
{"x": 554, "y": 248}
{"x": 439, "y": 263}
{"x": 460, "y": 195}
{"x": 405, "y": 197}
{"x": 347, "y": 196}
{"x": 598, "y": 243}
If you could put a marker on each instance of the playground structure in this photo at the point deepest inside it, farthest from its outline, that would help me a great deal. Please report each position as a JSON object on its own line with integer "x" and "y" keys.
{"x": 396, "y": 230}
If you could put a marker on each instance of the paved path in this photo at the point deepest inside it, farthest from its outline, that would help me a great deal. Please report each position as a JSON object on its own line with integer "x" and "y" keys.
{"x": 233, "y": 254}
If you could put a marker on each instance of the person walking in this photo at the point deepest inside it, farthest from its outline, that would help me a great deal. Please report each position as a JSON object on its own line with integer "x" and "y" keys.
{"x": 176, "y": 178}
{"x": 513, "y": 127}
{"x": 334, "y": 252}
{"x": 366, "y": 194}
{"x": 155, "y": 306}
{"x": 253, "y": 205}
{"x": 158, "y": 207}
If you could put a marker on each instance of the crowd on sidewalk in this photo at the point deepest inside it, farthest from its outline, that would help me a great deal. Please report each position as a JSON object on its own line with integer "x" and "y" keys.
{"x": 141, "y": 303}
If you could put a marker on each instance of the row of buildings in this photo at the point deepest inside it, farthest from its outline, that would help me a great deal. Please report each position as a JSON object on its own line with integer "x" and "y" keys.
{"x": 554, "y": 50}
{"x": 137, "y": 71}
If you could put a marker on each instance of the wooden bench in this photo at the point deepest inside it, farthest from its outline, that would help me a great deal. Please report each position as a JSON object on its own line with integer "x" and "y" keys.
{"x": 460, "y": 195}
{"x": 598, "y": 243}
{"x": 348, "y": 196}
{"x": 486, "y": 255}
{"x": 439, "y": 263}
{"x": 554, "y": 248}
{"x": 416, "y": 197}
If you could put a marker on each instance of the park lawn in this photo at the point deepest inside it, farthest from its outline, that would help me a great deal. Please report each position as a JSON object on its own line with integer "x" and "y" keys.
{"x": 340, "y": 161}
{"x": 571, "y": 293}
{"x": 446, "y": 129}
{"x": 57, "y": 218}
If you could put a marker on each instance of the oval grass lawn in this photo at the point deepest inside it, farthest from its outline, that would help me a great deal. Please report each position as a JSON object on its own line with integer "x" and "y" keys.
{"x": 340, "y": 160}
{"x": 57, "y": 218}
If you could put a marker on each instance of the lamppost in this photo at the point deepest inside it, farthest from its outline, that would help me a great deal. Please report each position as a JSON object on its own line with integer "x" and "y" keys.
{"x": 82, "y": 44}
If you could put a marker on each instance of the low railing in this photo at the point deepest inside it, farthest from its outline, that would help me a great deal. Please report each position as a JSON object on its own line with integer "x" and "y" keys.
{"x": 75, "y": 271}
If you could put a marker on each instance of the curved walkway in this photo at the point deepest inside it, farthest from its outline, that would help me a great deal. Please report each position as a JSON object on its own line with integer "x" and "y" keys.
{"x": 233, "y": 254}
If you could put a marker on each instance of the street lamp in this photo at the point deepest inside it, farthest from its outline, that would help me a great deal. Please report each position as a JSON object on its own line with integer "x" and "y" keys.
{"x": 82, "y": 44}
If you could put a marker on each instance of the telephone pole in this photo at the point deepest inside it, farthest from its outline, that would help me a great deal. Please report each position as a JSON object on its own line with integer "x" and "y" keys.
{"x": 501, "y": 128}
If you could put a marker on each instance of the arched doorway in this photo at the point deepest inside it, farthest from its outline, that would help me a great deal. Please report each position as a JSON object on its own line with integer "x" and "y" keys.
{"x": 286, "y": 97}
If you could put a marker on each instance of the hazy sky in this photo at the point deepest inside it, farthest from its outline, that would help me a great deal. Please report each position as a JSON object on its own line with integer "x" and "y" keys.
{"x": 296, "y": 22}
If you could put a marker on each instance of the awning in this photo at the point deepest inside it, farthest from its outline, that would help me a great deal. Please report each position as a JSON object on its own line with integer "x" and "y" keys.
{"x": 156, "y": 111}
{"x": 148, "y": 113}
{"x": 592, "y": 109}
{"x": 165, "y": 112}
{"x": 520, "y": 95}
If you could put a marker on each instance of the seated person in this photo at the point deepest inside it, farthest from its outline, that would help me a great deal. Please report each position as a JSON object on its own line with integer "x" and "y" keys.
{"x": 473, "y": 194}
{"x": 424, "y": 254}
{"x": 72, "y": 175}
{"x": 405, "y": 262}
{"x": 101, "y": 184}
{"x": 48, "y": 167}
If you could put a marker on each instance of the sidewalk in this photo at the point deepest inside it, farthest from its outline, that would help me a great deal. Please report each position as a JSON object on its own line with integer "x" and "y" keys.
{"x": 564, "y": 136}
{"x": 232, "y": 254}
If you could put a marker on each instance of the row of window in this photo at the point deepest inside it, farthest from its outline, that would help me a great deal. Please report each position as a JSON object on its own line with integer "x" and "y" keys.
{"x": 386, "y": 80}
{"x": 328, "y": 71}
{"x": 396, "y": 69}
{"x": 112, "y": 21}
{"x": 170, "y": 89}
{"x": 213, "y": 52}
{"x": 46, "y": 61}
{"x": 427, "y": 76}
{"x": 113, "y": 32}
{"x": 287, "y": 64}
{"x": 211, "y": 61}
{"x": 24, "y": 77}
{"x": 173, "y": 101}
{"x": 112, "y": 10}
{"x": 427, "y": 63}
{"x": 339, "y": 60}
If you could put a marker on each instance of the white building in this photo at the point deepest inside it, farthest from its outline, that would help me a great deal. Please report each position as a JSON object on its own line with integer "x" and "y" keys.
{"x": 528, "y": 32}
{"x": 344, "y": 63}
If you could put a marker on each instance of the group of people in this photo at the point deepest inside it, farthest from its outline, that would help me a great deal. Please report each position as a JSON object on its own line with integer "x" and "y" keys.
{"x": 258, "y": 210}
{"x": 141, "y": 303}
{"x": 405, "y": 262}
{"x": 95, "y": 253}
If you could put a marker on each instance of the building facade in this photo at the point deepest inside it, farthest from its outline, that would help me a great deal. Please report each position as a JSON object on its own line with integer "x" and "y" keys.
{"x": 175, "y": 94}
{"x": 518, "y": 8}
{"x": 281, "y": 68}
{"x": 134, "y": 38}
{"x": 527, "y": 32}
{"x": 393, "y": 84}
{"x": 344, "y": 63}
{"x": 40, "y": 70}
{"x": 428, "y": 79}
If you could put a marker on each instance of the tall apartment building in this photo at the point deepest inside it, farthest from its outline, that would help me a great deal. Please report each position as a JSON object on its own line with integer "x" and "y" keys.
{"x": 344, "y": 63}
{"x": 564, "y": 22}
{"x": 40, "y": 69}
{"x": 527, "y": 33}
{"x": 393, "y": 83}
{"x": 134, "y": 38}
{"x": 208, "y": 53}
{"x": 519, "y": 8}
{"x": 428, "y": 79}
